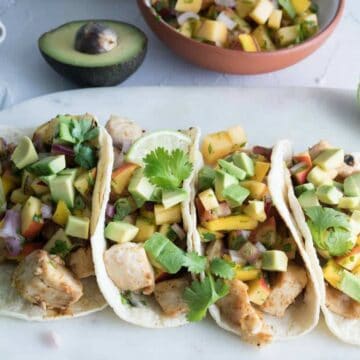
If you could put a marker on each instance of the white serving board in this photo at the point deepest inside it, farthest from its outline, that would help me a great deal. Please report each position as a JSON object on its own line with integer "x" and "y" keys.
{"x": 304, "y": 115}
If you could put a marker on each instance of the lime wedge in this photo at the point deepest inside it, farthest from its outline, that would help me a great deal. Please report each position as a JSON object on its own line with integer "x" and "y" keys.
{"x": 167, "y": 139}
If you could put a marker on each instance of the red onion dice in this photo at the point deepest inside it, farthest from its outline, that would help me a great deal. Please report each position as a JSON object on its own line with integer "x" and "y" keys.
{"x": 46, "y": 211}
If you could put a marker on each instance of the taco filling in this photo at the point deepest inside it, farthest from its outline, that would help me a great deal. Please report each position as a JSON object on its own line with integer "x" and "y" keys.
{"x": 327, "y": 186}
{"x": 45, "y": 207}
{"x": 253, "y": 261}
{"x": 147, "y": 239}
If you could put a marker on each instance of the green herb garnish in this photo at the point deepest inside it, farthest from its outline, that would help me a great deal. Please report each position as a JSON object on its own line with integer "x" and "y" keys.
{"x": 60, "y": 248}
{"x": 222, "y": 268}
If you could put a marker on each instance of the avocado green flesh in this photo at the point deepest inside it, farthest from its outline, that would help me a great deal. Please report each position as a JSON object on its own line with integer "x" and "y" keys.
{"x": 58, "y": 44}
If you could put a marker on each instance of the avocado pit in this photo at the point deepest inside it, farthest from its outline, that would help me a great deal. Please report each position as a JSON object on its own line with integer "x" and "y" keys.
{"x": 95, "y": 38}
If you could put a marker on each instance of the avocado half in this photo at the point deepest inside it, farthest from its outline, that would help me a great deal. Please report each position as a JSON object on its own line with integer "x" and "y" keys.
{"x": 104, "y": 69}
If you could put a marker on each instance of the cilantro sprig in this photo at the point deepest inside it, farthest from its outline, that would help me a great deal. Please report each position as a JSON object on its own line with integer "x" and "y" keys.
{"x": 330, "y": 229}
{"x": 80, "y": 132}
{"x": 167, "y": 169}
{"x": 61, "y": 248}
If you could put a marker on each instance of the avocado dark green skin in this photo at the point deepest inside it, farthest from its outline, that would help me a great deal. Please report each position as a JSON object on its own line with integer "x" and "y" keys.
{"x": 97, "y": 76}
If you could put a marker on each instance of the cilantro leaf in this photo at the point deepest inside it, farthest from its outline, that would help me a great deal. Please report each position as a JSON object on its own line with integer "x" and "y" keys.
{"x": 60, "y": 248}
{"x": 167, "y": 170}
{"x": 202, "y": 294}
{"x": 330, "y": 229}
{"x": 207, "y": 237}
{"x": 195, "y": 263}
{"x": 122, "y": 208}
{"x": 85, "y": 156}
{"x": 222, "y": 268}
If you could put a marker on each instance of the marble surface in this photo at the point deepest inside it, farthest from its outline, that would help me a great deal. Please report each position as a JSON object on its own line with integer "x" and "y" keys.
{"x": 24, "y": 74}
{"x": 290, "y": 113}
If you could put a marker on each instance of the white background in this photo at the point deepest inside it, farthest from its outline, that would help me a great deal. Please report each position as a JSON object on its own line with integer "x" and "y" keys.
{"x": 24, "y": 74}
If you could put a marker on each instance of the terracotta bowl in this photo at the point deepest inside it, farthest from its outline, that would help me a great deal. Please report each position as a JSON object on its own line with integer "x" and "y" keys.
{"x": 240, "y": 62}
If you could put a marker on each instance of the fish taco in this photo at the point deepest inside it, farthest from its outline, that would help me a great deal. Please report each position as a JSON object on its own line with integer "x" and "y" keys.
{"x": 258, "y": 283}
{"x": 51, "y": 192}
{"x": 323, "y": 186}
{"x": 141, "y": 253}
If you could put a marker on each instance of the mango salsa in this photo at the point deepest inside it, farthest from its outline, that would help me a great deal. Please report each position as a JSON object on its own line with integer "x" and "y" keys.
{"x": 228, "y": 223}
{"x": 247, "y": 273}
{"x": 61, "y": 214}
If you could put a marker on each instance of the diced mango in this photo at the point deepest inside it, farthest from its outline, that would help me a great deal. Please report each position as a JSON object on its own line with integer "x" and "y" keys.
{"x": 238, "y": 137}
{"x": 261, "y": 170}
{"x": 248, "y": 43}
{"x": 207, "y": 235}
{"x": 244, "y": 7}
{"x": 167, "y": 216}
{"x": 9, "y": 183}
{"x": 216, "y": 146}
{"x": 61, "y": 213}
{"x": 228, "y": 223}
{"x": 350, "y": 261}
{"x": 333, "y": 273}
{"x": 301, "y": 6}
{"x": 84, "y": 182}
{"x": 208, "y": 199}
{"x": 214, "y": 31}
{"x": 146, "y": 229}
{"x": 275, "y": 19}
{"x": 257, "y": 189}
{"x": 259, "y": 291}
{"x": 186, "y": 5}
{"x": 121, "y": 177}
{"x": 246, "y": 273}
{"x": 262, "y": 11}
{"x": 18, "y": 197}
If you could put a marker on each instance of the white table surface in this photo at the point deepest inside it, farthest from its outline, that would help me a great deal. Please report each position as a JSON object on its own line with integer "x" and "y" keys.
{"x": 24, "y": 74}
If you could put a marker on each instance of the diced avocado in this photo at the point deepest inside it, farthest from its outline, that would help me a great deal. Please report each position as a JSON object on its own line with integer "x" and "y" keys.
{"x": 329, "y": 194}
{"x": 318, "y": 176}
{"x": 235, "y": 195}
{"x": 172, "y": 198}
{"x": 59, "y": 244}
{"x": 223, "y": 181}
{"x": 120, "y": 231}
{"x": 300, "y": 189}
{"x": 47, "y": 178}
{"x": 256, "y": 210}
{"x": 146, "y": 229}
{"x": 84, "y": 182}
{"x": 349, "y": 203}
{"x": 156, "y": 195}
{"x": 72, "y": 172}
{"x": 262, "y": 37}
{"x": 274, "y": 260}
{"x": 339, "y": 185}
{"x": 208, "y": 199}
{"x": 64, "y": 129}
{"x": 206, "y": 178}
{"x": 351, "y": 260}
{"x": 308, "y": 199}
{"x": 287, "y": 35}
{"x": 164, "y": 254}
{"x": 78, "y": 227}
{"x": 167, "y": 216}
{"x": 61, "y": 188}
{"x": 49, "y": 165}
{"x": 352, "y": 185}
{"x": 355, "y": 222}
{"x": 333, "y": 273}
{"x": 26, "y": 181}
{"x": 350, "y": 285}
{"x": 232, "y": 169}
{"x": 24, "y": 154}
{"x": 330, "y": 159}
{"x": 140, "y": 187}
{"x": 244, "y": 161}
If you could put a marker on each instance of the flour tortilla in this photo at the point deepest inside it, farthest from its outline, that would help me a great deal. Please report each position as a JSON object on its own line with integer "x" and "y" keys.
{"x": 147, "y": 313}
{"x": 302, "y": 316}
{"x": 346, "y": 330}
{"x": 11, "y": 303}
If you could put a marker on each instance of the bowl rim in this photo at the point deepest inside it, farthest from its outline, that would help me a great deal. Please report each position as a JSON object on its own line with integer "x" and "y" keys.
{"x": 320, "y": 36}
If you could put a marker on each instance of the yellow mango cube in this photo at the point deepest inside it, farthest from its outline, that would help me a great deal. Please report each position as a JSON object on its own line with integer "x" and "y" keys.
{"x": 216, "y": 146}
{"x": 275, "y": 19}
{"x": 214, "y": 31}
{"x": 186, "y": 5}
{"x": 237, "y": 136}
{"x": 262, "y": 11}
{"x": 257, "y": 189}
{"x": 261, "y": 170}
{"x": 228, "y": 223}
{"x": 333, "y": 273}
{"x": 246, "y": 273}
{"x": 61, "y": 213}
{"x": 248, "y": 43}
{"x": 301, "y": 6}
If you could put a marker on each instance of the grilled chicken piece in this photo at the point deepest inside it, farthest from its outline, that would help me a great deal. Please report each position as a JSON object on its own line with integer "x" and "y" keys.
{"x": 350, "y": 166}
{"x": 236, "y": 307}
{"x": 122, "y": 131}
{"x": 43, "y": 280}
{"x": 80, "y": 262}
{"x": 285, "y": 288}
{"x": 315, "y": 150}
{"x": 169, "y": 295}
{"x": 129, "y": 268}
{"x": 341, "y": 304}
